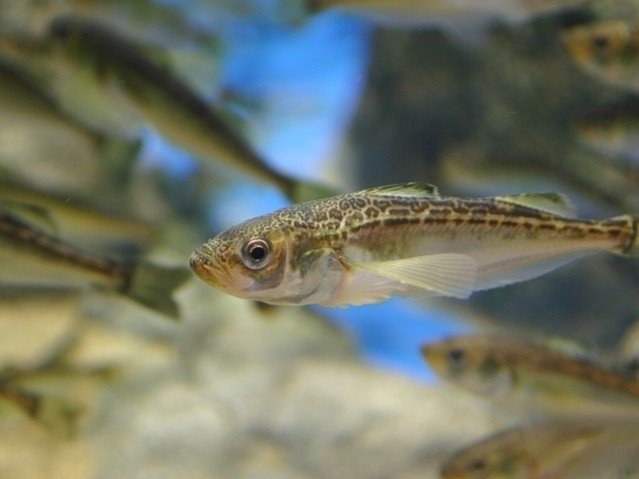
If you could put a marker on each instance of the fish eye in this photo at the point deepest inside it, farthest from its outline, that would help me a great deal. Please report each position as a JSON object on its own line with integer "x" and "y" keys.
{"x": 60, "y": 30}
{"x": 477, "y": 464}
{"x": 456, "y": 356}
{"x": 256, "y": 254}
{"x": 600, "y": 42}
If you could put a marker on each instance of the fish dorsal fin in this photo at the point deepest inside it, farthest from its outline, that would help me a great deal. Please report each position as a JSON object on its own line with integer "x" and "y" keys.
{"x": 553, "y": 203}
{"x": 418, "y": 190}
{"x": 446, "y": 274}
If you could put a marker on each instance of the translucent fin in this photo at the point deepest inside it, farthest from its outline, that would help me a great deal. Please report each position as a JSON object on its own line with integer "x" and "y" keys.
{"x": 301, "y": 191}
{"x": 153, "y": 285}
{"x": 631, "y": 249}
{"x": 366, "y": 287}
{"x": 523, "y": 268}
{"x": 445, "y": 274}
{"x": 58, "y": 415}
{"x": 553, "y": 203}
{"x": 418, "y": 190}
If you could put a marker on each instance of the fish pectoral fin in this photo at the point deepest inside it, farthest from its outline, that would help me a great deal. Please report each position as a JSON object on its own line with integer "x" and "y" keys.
{"x": 553, "y": 203}
{"x": 409, "y": 190}
{"x": 445, "y": 274}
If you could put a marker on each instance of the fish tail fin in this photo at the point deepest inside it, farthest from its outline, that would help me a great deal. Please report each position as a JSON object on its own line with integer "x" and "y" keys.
{"x": 633, "y": 244}
{"x": 152, "y": 285}
{"x": 58, "y": 415}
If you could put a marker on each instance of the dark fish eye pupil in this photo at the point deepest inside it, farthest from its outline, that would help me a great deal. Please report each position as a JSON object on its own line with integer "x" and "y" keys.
{"x": 257, "y": 252}
{"x": 456, "y": 355}
{"x": 601, "y": 42}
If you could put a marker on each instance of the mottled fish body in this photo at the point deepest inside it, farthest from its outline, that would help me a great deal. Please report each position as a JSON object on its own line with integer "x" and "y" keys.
{"x": 533, "y": 378}
{"x": 30, "y": 256}
{"x": 404, "y": 239}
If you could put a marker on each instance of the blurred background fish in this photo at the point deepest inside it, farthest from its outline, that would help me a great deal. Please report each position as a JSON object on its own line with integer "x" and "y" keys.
{"x": 31, "y": 256}
{"x": 557, "y": 450}
{"x": 461, "y": 18}
{"x": 533, "y": 379}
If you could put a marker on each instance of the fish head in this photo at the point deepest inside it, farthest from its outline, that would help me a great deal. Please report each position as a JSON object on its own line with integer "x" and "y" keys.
{"x": 70, "y": 38}
{"x": 607, "y": 48}
{"x": 265, "y": 261}
{"x": 470, "y": 363}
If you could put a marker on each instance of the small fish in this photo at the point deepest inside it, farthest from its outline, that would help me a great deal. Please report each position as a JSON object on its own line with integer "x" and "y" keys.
{"x": 476, "y": 171}
{"x": 532, "y": 377}
{"x": 44, "y": 140}
{"x": 165, "y": 101}
{"x": 402, "y": 239}
{"x": 78, "y": 222}
{"x": 58, "y": 415}
{"x": 612, "y": 128}
{"x": 608, "y": 50}
{"x": 547, "y": 450}
{"x": 452, "y": 14}
{"x": 29, "y": 255}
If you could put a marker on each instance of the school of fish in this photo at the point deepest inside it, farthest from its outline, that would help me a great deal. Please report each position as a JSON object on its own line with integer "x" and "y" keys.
{"x": 577, "y": 413}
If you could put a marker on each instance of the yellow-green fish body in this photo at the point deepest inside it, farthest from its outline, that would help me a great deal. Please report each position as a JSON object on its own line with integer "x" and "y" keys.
{"x": 443, "y": 12}
{"x": 531, "y": 378}
{"x": 30, "y": 256}
{"x": 80, "y": 223}
{"x": 165, "y": 101}
{"x": 405, "y": 239}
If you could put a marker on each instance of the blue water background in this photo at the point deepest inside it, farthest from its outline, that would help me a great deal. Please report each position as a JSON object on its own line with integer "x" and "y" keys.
{"x": 296, "y": 85}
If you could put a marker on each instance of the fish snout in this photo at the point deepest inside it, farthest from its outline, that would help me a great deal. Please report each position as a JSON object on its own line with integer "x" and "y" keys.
{"x": 208, "y": 269}
{"x": 196, "y": 261}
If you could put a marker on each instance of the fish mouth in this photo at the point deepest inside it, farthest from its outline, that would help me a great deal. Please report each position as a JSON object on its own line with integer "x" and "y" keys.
{"x": 430, "y": 356}
{"x": 207, "y": 270}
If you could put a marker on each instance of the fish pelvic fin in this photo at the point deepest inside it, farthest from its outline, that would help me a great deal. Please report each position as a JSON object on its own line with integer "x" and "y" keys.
{"x": 152, "y": 285}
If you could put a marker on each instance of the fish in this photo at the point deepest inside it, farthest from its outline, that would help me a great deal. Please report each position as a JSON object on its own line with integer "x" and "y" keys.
{"x": 402, "y": 239}
{"x": 162, "y": 99}
{"x": 79, "y": 222}
{"x": 40, "y": 388}
{"x": 29, "y": 255}
{"x": 38, "y": 136}
{"x": 475, "y": 170}
{"x": 612, "y": 128}
{"x": 530, "y": 377}
{"x": 545, "y": 450}
{"x": 607, "y": 50}
{"x": 464, "y": 16}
